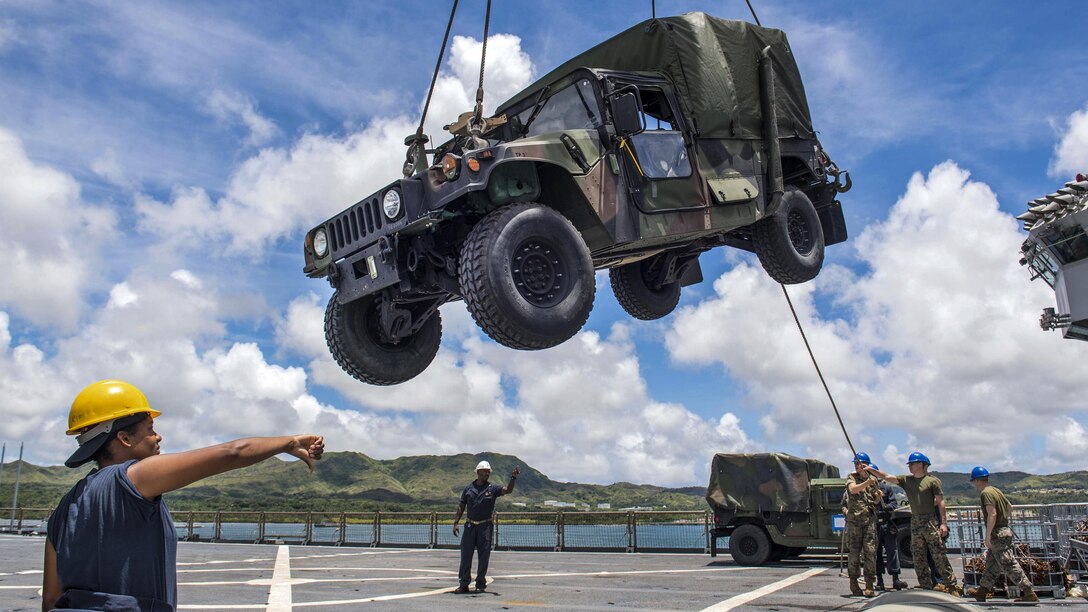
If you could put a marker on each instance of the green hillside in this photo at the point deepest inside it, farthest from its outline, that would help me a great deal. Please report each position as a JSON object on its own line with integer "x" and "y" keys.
{"x": 354, "y": 482}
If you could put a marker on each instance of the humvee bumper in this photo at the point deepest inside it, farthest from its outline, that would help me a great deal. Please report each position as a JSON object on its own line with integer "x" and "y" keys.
{"x": 370, "y": 269}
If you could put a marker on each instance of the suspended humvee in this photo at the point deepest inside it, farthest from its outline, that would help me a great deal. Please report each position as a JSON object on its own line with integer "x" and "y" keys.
{"x": 677, "y": 136}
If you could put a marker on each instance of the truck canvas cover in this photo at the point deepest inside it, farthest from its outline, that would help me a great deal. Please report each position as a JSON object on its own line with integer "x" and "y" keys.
{"x": 764, "y": 482}
{"x": 714, "y": 64}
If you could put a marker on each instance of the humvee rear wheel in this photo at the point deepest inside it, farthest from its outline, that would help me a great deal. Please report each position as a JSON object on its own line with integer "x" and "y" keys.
{"x": 527, "y": 277}
{"x": 635, "y": 292}
{"x": 790, "y": 243}
{"x": 360, "y": 346}
{"x": 750, "y": 545}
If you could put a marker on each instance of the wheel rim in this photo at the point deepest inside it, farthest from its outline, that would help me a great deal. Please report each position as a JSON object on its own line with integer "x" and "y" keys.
{"x": 748, "y": 546}
{"x": 540, "y": 273}
{"x": 800, "y": 235}
{"x": 367, "y": 323}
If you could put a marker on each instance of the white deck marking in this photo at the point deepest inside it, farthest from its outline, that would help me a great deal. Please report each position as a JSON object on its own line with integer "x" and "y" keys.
{"x": 279, "y": 592}
{"x": 228, "y": 570}
{"x": 740, "y": 600}
{"x": 628, "y": 572}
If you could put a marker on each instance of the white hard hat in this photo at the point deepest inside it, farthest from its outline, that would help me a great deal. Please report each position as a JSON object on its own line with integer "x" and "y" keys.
{"x": 483, "y": 465}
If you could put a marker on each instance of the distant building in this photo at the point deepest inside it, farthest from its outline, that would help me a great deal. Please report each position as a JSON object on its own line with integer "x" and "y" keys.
{"x": 605, "y": 506}
{"x": 518, "y": 504}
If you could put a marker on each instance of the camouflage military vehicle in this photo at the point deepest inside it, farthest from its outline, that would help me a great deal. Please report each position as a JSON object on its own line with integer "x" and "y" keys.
{"x": 773, "y": 506}
{"x": 677, "y": 136}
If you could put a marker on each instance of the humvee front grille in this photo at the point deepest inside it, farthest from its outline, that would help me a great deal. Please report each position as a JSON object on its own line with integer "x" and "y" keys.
{"x": 355, "y": 224}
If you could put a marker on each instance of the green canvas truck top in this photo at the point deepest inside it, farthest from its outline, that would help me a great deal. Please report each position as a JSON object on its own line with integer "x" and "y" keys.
{"x": 764, "y": 482}
{"x": 714, "y": 64}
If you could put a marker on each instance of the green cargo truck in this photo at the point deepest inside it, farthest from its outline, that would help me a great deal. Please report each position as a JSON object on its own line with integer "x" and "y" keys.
{"x": 773, "y": 506}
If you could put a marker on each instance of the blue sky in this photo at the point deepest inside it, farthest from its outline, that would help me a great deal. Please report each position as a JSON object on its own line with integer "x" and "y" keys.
{"x": 162, "y": 160}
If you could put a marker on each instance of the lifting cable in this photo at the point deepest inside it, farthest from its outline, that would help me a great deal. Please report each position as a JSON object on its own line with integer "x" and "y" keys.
{"x": 419, "y": 140}
{"x": 478, "y": 114}
{"x": 818, "y": 372}
{"x": 796, "y": 320}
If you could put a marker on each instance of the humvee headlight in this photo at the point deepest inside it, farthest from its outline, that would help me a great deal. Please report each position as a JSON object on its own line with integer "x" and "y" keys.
{"x": 391, "y": 204}
{"x": 321, "y": 243}
{"x": 451, "y": 166}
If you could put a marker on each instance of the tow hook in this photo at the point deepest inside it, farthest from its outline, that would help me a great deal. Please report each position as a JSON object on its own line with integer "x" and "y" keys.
{"x": 838, "y": 185}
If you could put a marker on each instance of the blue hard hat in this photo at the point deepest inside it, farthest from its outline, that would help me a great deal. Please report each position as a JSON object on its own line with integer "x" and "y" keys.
{"x": 979, "y": 472}
{"x": 916, "y": 457}
{"x": 863, "y": 457}
{"x": 873, "y": 465}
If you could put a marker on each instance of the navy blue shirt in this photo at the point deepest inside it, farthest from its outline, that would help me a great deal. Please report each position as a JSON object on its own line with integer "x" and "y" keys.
{"x": 479, "y": 500}
{"x": 110, "y": 539}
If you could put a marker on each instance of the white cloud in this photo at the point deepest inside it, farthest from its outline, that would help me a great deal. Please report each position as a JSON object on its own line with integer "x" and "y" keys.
{"x": 51, "y": 239}
{"x": 281, "y": 191}
{"x": 1071, "y": 153}
{"x": 8, "y": 34}
{"x": 941, "y": 337}
{"x": 231, "y": 107}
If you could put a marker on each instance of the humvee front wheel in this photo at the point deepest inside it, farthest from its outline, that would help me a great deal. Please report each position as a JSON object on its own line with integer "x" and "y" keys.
{"x": 790, "y": 243}
{"x": 635, "y": 291}
{"x": 902, "y": 542}
{"x": 527, "y": 277}
{"x": 360, "y": 346}
{"x": 750, "y": 545}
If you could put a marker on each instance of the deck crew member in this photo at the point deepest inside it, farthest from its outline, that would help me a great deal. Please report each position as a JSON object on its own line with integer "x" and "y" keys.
{"x": 862, "y": 491}
{"x": 111, "y": 542}
{"x": 998, "y": 540}
{"x": 887, "y": 548}
{"x": 479, "y": 499}
{"x": 926, "y": 499}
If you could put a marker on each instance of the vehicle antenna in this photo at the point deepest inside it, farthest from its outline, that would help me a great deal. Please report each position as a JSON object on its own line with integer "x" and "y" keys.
{"x": 818, "y": 372}
{"x": 653, "y": 9}
{"x": 418, "y": 140}
{"x": 757, "y": 20}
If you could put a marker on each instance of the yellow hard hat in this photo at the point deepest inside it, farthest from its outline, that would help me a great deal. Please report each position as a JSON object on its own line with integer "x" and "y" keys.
{"x": 106, "y": 400}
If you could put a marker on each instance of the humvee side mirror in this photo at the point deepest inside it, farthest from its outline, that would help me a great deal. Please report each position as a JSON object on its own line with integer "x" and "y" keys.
{"x": 627, "y": 114}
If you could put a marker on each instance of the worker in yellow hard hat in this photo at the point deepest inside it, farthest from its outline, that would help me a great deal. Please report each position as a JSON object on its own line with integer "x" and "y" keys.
{"x": 111, "y": 541}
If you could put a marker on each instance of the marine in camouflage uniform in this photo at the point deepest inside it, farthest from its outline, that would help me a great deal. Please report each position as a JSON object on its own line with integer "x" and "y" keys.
{"x": 862, "y": 491}
{"x": 926, "y": 497}
{"x": 999, "y": 554}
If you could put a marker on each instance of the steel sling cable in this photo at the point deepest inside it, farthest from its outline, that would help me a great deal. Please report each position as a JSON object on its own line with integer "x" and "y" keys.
{"x": 418, "y": 140}
{"x": 478, "y": 114}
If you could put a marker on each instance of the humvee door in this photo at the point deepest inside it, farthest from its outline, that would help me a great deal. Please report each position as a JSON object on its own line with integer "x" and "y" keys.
{"x": 658, "y": 166}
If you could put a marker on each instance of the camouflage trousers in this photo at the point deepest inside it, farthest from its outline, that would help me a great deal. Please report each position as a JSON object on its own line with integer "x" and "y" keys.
{"x": 925, "y": 538}
{"x": 861, "y": 546}
{"x": 1000, "y": 560}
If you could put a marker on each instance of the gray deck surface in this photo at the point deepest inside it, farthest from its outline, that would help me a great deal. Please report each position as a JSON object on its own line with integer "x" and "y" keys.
{"x": 264, "y": 577}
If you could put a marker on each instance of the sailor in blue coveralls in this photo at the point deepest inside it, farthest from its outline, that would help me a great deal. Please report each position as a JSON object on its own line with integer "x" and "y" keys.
{"x": 111, "y": 542}
{"x": 479, "y": 499}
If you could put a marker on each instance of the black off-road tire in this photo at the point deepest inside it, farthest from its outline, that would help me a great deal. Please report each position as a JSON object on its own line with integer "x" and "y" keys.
{"x": 637, "y": 297}
{"x": 790, "y": 243}
{"x": 527, "y": 277}
{"x": 750, "y": 545}
{"x": 902, "y": 542}
{"x": 353, "y": 334}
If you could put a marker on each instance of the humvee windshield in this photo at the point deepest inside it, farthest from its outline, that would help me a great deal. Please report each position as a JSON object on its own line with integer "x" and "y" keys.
{"x": 660, "y": 149}
{"x": 572, "y": 108}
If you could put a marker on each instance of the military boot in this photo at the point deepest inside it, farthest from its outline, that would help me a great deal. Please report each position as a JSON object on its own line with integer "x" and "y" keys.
{"x": 898, "y": 584}
{"x": 880, "y": 583}
{"x": 955, "y": 590}
{"x": 854, "y": 588}
{"x": 980, "y": 594}
{"x": 1027, "y": 596}
{"x": 868, "y": 592}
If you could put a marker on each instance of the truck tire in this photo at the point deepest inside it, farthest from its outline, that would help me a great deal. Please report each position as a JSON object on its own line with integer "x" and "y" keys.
{"x": 902, "y": 543}
{"x": 527, "y": 277}
{"x": 637, "y": 297}
{"x": 790, "y": 242}
{"x": 359, "y": 346}
{"x": 750, "y": 545}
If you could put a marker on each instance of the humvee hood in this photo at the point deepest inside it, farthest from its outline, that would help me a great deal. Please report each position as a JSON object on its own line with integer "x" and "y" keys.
{"x": 764, "y": 482}
{"x": 715, "y": 66}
